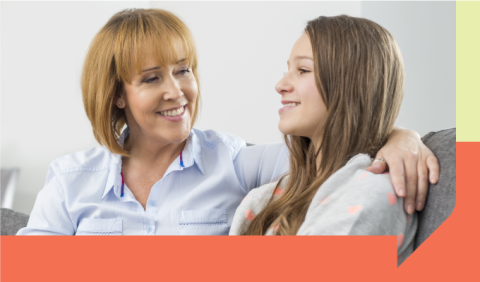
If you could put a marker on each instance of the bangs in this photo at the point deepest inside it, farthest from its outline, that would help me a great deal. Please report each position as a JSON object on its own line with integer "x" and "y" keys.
{"x": 128, "y": 40}
{"x": 165, "y": 39}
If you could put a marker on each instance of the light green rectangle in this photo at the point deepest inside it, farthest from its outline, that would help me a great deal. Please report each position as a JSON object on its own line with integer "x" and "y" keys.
{"x": 468, "y": 71}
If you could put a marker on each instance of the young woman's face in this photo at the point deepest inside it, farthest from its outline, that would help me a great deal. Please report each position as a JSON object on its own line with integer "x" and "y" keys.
{"x": 160, "y": 101}
{"x": 303, "y": 106}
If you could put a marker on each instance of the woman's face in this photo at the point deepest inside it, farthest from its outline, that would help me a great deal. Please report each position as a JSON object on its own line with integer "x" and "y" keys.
{"x": 303, "y": 106}
{"x": 160, "y": 101}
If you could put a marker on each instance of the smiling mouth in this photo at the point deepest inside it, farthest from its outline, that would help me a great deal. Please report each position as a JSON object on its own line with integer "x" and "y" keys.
{"x": 174, "y": 112}
{"x": 287, "y": 105}
{"x": 291, "y": 104}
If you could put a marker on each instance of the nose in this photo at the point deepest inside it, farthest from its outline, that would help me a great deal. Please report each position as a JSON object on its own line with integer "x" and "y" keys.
{"x": 284, "y": 86}
{"x": 171, "y": 89}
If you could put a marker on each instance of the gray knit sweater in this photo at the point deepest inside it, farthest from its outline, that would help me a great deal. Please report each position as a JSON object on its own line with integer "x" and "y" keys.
{"x": 351, "y": 202}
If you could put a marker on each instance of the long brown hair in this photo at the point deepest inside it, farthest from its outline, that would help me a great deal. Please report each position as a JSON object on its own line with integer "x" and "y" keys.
{"x": 119, "y": 45}
{"x": 359, "y": 74}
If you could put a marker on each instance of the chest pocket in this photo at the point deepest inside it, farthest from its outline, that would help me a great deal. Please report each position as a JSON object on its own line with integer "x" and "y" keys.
{"x": 100, "y": 226}
{"x": 203, "y": 222}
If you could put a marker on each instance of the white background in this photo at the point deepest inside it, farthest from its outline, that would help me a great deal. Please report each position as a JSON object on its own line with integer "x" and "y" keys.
{"x": 242, "y": 47}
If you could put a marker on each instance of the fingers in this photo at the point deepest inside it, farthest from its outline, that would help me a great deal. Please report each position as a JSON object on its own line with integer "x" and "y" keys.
{"x": 378, "y": 166}
{"x": 411, "y": 181}
{"x": 433, "y": 168}
{"x": 422, "y": 186}
{"x": 427, "y": 170}
{"x": 397, "y": 174}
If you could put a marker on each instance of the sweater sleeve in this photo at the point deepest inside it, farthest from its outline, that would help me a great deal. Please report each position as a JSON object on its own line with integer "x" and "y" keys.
{"x": 357, "y": 202}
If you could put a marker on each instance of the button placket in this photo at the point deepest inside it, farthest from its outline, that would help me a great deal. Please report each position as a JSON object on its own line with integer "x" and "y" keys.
{"x": 151, "y": 209}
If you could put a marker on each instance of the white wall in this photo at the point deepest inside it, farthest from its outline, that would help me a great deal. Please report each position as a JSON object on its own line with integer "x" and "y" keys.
{"x": 243, "y": 48}
{"x": 426, "y": 34}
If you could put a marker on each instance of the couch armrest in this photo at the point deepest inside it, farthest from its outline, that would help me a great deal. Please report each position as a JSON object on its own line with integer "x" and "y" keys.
{"x": 12, "y": 221}
{"x": 441, "y": 196}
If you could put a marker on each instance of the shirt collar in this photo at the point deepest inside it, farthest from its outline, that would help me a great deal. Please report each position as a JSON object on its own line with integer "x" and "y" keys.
{"x": 191, "y": 154}
{"x": 114, "y": 177}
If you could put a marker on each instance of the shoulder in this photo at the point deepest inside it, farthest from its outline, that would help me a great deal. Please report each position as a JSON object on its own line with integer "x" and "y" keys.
{"x": 251, "y": 206}
{"x": 94, "y": 159}
{"x": 264, "y": 191}
{"x": 355, "y": 174}
{"x": 213, "y": 139}
{"x": 353, "y": 184}
{"x": 258, "y": 198}
{"x": 356, "y": 202}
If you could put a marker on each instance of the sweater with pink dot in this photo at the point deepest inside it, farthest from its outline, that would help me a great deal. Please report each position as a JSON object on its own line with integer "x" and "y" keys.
{"x": 351, "y": 202}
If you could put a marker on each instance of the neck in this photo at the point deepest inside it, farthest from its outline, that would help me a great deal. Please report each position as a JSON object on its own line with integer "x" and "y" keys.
{"x": 147, "y": 153}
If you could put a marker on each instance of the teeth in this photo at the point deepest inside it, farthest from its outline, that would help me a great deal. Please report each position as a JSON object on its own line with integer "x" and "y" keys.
{"x": 292, "y": 104}
{"x": 173, "y": 113}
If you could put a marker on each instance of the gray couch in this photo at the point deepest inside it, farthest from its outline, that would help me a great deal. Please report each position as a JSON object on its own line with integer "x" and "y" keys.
{"x": 441, "y": 196}
{"x": 440, "y": 200}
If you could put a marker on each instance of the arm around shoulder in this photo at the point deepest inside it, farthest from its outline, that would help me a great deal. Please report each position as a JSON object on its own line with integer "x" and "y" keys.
{"x": 261, "y": 164}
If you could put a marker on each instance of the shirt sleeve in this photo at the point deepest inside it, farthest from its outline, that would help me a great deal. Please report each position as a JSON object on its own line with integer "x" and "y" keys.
{"x": 49, "y": 215}
{"x": 261, "y": 164}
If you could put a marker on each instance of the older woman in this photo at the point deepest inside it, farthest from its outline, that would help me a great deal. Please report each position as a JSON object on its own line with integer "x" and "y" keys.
{"x": 155, "y": 174}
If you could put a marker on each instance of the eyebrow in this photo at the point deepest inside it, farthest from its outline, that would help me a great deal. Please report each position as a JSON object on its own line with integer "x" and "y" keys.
{"x": 156, "y": 68}
{"x": 301, "y": 57}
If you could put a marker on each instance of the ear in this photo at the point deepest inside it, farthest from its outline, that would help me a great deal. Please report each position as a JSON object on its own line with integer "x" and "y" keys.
{"x": 120, "y": 102}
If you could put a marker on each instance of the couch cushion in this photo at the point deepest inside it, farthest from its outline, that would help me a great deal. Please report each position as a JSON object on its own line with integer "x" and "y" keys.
{"x": 441, "y": 196}
{"x": 12, "y": 221}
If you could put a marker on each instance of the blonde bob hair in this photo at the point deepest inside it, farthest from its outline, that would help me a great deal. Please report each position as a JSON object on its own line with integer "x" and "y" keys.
{"x": 116, "y": 49}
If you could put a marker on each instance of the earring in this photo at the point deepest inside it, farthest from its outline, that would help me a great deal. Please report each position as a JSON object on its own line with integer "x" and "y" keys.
{"x": 120, "y": 104}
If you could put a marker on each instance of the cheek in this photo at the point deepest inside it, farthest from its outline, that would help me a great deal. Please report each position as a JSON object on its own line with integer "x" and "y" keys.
{"x": 136, "y": 99}
{"x": 143, "y": 101}
{"x": 313, "y": 110}
{"x": 190, "y": 90}
{"x": 313, "y": 100}
{"x": 310, "y": 90}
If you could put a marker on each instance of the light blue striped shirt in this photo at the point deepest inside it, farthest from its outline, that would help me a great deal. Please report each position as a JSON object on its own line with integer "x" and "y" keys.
{"x": 82, "y": 190}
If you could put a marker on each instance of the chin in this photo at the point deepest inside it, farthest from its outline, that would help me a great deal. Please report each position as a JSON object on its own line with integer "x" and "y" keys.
{"x": 286, "y": 128}
{"x": 175, "y": 134}
{"x": 178, "y": 137}
{"x": 291, "y": 129}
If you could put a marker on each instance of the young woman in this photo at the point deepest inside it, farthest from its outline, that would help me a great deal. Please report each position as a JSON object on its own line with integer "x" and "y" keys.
{"x": 159, "y": 175}
{"x": 341, "y": 96}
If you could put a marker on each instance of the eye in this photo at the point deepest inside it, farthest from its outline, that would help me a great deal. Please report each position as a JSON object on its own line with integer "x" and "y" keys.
{"x": 184, "y": 71}
{"x": 302, "y": 71}
{"x": 150, "y": 80}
